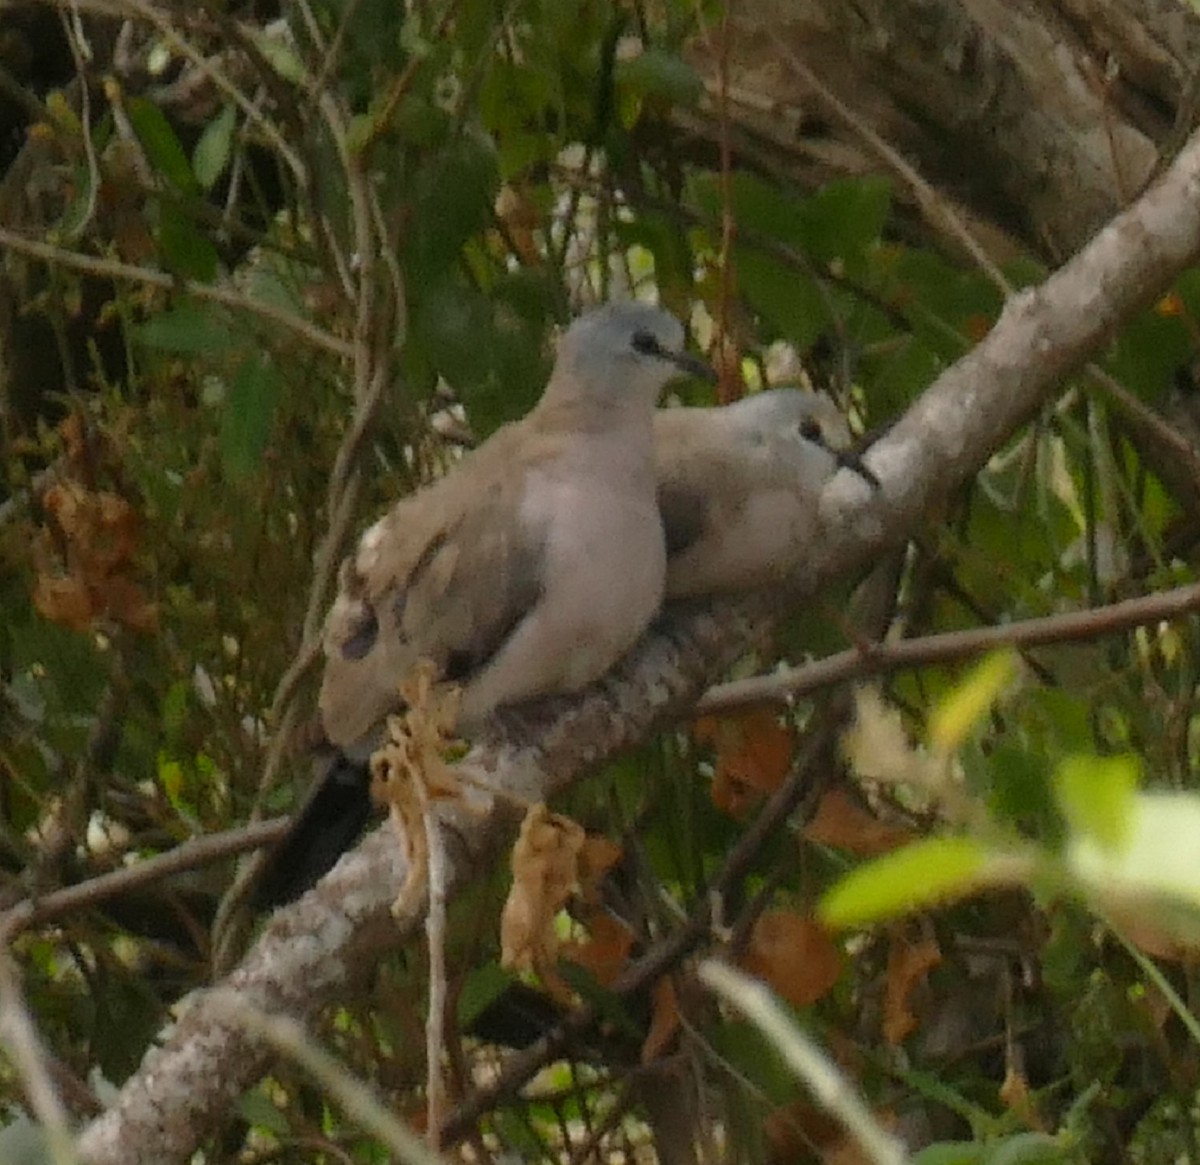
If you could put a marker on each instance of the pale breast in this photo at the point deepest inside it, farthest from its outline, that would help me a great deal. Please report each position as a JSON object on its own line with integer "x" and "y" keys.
{"x": 605, "y": 565}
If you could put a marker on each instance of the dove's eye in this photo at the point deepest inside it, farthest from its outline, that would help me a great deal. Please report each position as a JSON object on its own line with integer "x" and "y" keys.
{"x": 646, "y": 343}
{"x": 810, "y": 430}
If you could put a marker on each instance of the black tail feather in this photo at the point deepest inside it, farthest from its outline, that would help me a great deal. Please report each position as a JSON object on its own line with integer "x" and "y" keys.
{"x": 329, "y": 822}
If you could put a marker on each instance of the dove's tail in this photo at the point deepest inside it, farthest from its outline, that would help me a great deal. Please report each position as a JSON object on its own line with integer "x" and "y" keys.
{"x": 327, "y": 824}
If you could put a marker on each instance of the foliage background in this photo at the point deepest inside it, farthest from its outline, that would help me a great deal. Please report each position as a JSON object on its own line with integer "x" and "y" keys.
{"x": 280, "y": 243}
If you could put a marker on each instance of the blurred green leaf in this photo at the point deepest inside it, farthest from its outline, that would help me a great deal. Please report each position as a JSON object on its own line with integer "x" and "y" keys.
{"x": 1149, "y": 351}
{"x": 952, "y": 1153}
{"x": 185, "y": 248}
{"x": 1145, "y": 864}
{"x": 162, "y": 147}
{"x": 247, "y": 416}
{"x": 280, "y": 55}
{"x": 1020, "y": 791}
{"x": 958, "y": 714}
{"x": 215, "y": 148}
{"x": 453, "y": 202}
{"x": 262, "y": 1112}
{"x": 482, "y": 987}
{"x": 919, "y": 875}
{"x": 189, "y": 328}
{"x": 1097, "y": 795}
{"x": 659, "y": 74}
{"x": 845, "y": 218}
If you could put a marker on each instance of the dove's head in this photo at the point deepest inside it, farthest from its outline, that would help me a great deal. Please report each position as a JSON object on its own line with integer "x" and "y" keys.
{"x": 792, "y": 414}
{"x": 801, "y": 429}
{"x": 623, "y": 352}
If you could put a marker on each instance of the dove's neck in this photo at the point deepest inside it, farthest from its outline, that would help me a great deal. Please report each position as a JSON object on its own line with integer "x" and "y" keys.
{"x": 627, "y": 415}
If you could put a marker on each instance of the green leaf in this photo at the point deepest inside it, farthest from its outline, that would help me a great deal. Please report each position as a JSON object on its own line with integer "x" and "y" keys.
{"x": 1149, "y": 351}
{"x": 483, "y": 986}
{"x": 958, "y": 714}
{"x": 1027, "y": 1149}
{"x": 162, "y": 147}
{"x": 785, "y": 296}
{"x": 951, "y": 1153}
{"x": 170, "y": 779}
{"x": 1019, "y": 789}
{"x": 453, "y": 202}
{"x": 281, "y": 57}
{"x": 215, "y": 147}
{"x": 190, "y": 328}
{"x": 656, "y": 73}
{"x": 1154, "y": 861}
{"x": 919, "y": 875}
{"x": 185, "y": 248}
{"x": 845, "y": 218}
{"x": 261, "y": 1112}
{"x": 1097, "y": 795}
{"x": 249, "y": 411}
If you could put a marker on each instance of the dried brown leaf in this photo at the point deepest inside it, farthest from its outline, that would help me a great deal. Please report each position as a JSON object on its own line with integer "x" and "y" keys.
{"x": 844, "y": 823}
{"x": 794, "y": 955}
{"x": 754, "y": 754}
{"x": 909, "y": 964}
{"x": 545, "y": 868}
{"x": 664, "y": 1021}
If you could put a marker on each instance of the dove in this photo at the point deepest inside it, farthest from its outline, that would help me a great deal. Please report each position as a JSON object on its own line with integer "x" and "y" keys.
{"x": 738, "y": 487}
{"x": 529, "y": 569}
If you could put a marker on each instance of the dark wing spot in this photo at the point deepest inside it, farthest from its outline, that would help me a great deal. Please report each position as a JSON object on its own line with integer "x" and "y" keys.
{"x": 683, "y": 516}
{"x": 357, "y": 645}
{"x": 427, "y": 556}
{"x": 419, "y": 568}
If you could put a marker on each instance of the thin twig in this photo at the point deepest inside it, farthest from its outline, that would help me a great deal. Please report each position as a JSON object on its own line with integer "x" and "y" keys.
{"x": 435, "y": 934}
{"x": 112, "y": 269}
{"x": 75, "y": 38}
{"x": 21, "y": 1042}
{"x": 937, "y": 210}
{"x": 167, "y": 25}
{"x": 200, "y": 851}
{"x": 878, "y": 659}
{"x": 825, "y": 1080}
{"x": 356, "y": 1097}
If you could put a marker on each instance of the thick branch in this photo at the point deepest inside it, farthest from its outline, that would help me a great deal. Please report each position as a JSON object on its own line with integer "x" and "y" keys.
{"x": 310, "y": 951}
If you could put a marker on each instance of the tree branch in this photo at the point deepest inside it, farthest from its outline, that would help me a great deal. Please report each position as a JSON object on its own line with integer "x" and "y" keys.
{"x": 879, "y": 658}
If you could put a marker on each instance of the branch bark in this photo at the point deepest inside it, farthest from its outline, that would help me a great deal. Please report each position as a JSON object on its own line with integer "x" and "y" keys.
{"x": 309, "y": 952}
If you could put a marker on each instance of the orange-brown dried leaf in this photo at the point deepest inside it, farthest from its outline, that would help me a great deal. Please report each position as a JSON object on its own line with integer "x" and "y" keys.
{"x": 598, "y": 855}
{"x": 732, "y": 797}
{"x": 842, "y": 822}
{"x": 410, "y": 771}
{"x": 605, "y": 952}
{"x": 74, "y": 436}
{"x": 800, "y": 1131}
{"x": 1150, "y": 937}
{"x": 794, "y": 955}
{"x": 522, "y": 219}
{"x": 393, "y": 786}
{"x": 545, "y": 869}
{"x": 1015, "y": 1094}
{"x": 100, "y": 528}
{"x": 63, "y": 600}
{"x": 124, "y": 601}
{"x": 754, "y": 754}
{"x": 909, "y": 965}
{"x": 664, "y": 1021}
